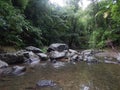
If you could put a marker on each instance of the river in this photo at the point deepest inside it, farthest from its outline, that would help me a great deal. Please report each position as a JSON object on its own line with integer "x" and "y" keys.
{"x": 79, "y": 76}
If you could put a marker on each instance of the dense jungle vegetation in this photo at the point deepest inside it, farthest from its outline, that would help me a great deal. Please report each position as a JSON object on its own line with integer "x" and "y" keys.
{"x": 40, "y": 23}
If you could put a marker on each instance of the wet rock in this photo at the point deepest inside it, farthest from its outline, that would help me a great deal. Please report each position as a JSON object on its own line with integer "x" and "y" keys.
{"x": 31, "y": 59}
{"x": 110, "y": 62}
{"x": 90, "y": 59}
{"x": 73, "y": 55}
{"x": 74, "y": 58}
{"x": 12, "y": 58}
{"x": 80, "y": 57}
{"x": 42, "y": 56}
{"x": 15, "y": 70}
{"x": 58, "y": 64}
{"x": 44, "y": 83}
{"x": 3, "y": 64}
{"x": 18, "y": 70}
{"x": 118, "y": 57}
{"x": 6, "y": 71}
{"x": 84, "y": 87}
{"x": 87, "y": 52}
{"x": 31, "y": 55}
{"x": 71, "y": 52}
{"x": 57, "y": 47}
{"x": 18, "y": 57}
{"x": 57, "y": 55}
{"x": 33, "y": 49}
{"x": 33, "y": 62}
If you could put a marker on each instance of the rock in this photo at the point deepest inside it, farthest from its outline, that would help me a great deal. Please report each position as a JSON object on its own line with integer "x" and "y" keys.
{"x": 44, "y": 83}
{"x": 42, "y": 56}
{"x": 32, "y": 59}
{"x": 71, "y": 52}
{"x": 110, "y": 62}
{"x": 74, "y": 57}
{"x": 3, "y": 64}
{"x": 88, "y": 56}
{"x": 87, "y": 52}
{"x": 31, "y": 55}
{"x": 90, "y": 59}
{"x": 6, "y": 71}
{"x": 57, "y": 55}
{"x": 57, "y": 65}
{"x": 118, "y": 57}
{"x": 12, "y": 58}
{"x": 15, "y": 70}
{"x": 80, "y": 57}
{"x": 18, "y": 70}
{"x": 18, "y": 57}
{"x": 28, "y": 56}
{"x": 33, "y": 49}
{"x": 34, "y": 62}
{"x": 57, "y": 47}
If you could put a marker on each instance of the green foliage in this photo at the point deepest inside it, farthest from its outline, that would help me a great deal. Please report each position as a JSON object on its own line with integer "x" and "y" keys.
{"x": 38, "y": 22}
{"x": 13, "y": 24}
{"x": 20, "y": 3}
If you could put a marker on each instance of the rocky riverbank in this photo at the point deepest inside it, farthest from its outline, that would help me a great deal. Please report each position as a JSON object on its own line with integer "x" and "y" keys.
{"x": 32, "y": 56}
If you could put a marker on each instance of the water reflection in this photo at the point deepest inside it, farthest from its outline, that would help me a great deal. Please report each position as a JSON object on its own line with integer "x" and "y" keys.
{"x": 80, "y": 76}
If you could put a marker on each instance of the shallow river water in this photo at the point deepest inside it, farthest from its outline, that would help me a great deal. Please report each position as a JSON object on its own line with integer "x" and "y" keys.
{"x": 80, "y": 76}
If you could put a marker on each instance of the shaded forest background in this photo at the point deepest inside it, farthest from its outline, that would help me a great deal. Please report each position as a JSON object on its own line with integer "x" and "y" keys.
{"x": 40, "y": 23}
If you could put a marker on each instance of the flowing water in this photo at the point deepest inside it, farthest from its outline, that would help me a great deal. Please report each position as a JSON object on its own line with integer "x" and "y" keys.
{"x": 80, "y": 76}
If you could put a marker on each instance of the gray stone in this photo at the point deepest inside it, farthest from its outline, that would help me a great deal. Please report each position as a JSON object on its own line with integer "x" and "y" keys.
{"x": 58, "y": 65}
{"x": 32, "y": 59}
{"x": 110, "y": 62}
{"x": 44, "y": 83}
{"x": 18, "y": 57}
{"x": 33, "y": 49}
{"x": 71, "y": 53}
{"x": 6, "y": 71}
{"x": 33, "y": 62}
{"x": 42, "y": 56}
{"x": 90, "y": 59}
{"x": 57, "y": 47}
{"x": 57, "y": 55}
{"x": 15, "y": 70}
{"x": 3, "y": 64}
{"x": 87, "y": 52}
{"x": 12, "y": 58}
{"x": 18, "y": 70}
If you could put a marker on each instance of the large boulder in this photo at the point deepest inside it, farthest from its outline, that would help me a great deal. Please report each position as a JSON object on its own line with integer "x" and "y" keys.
{"x": 33, "y": 49}
{"x": 18, "y": 57}
{"x": 12, "y": 58}
{"x": 57, "y": 55}
{"x": 57, "y": 47}
{"x": 3, "y": 64}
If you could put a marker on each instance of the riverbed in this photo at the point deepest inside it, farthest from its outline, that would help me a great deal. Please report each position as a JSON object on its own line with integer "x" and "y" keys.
{"x": 67, "y": 76}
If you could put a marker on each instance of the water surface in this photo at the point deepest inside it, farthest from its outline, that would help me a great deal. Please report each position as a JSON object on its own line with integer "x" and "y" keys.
{"x": 80, "y": 76}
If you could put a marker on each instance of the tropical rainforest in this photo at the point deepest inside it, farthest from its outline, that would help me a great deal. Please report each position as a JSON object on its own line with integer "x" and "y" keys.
{"x": 40, "y": 23}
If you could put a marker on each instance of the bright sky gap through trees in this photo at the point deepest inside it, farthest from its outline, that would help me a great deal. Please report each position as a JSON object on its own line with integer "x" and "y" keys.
{"x": 83, "y": 3}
